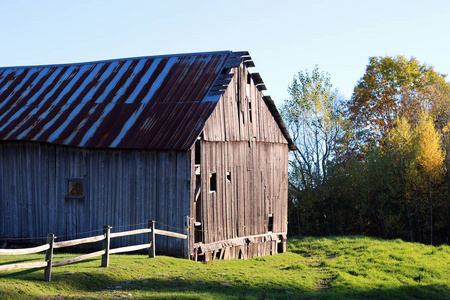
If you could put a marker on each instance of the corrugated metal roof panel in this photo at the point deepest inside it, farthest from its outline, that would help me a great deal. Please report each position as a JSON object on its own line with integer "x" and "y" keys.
{"x": 157, "y": 102}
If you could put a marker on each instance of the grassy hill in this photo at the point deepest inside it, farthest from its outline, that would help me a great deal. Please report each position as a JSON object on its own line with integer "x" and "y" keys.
{"x": 314, "y": 268}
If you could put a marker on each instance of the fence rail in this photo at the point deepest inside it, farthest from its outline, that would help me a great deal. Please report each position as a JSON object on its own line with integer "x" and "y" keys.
{"x": 79, "y": 241}
{"x": 24, "y": 251}
{"x": 105, "y": 252}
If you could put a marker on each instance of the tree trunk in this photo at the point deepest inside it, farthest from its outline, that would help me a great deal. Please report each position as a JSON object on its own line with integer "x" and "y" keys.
{"x": 307, "y": 226}
{"x": 360, "y": 222}
{"x": 431, "y": 216}
{"x": 332, "y": 218}
{"x": 419, "y": 227}
{"x": 410, "y": 224}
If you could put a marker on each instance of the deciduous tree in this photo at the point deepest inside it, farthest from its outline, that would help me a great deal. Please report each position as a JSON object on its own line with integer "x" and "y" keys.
{"x": 314, "y": 119}
{"x": 400, "y": 148}
{"x": 428, "y": 164}
{"x": 390, "y": 86}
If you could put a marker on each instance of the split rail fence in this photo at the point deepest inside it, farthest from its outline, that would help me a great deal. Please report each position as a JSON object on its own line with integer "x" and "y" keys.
{"x": 105, "y": 252}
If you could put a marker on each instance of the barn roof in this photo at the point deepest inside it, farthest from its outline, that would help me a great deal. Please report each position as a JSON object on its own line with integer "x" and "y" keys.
{"x": 154, "y": 102}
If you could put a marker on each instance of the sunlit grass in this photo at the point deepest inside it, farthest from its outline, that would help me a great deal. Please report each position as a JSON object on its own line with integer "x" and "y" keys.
{"x": 314, "y": 268}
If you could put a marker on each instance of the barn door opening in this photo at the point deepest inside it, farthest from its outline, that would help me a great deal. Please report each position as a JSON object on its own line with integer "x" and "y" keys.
{"x": 198, "y": 232}
{"x": 198, "y": 226}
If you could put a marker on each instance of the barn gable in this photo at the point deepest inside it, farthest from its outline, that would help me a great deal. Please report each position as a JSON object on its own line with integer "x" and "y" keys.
{"x": 241, "y": 172}
{"x": 244, "y": 113}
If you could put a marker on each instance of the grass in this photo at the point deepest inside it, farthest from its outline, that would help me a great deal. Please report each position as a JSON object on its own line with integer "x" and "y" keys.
{"x": 314, "y": 268}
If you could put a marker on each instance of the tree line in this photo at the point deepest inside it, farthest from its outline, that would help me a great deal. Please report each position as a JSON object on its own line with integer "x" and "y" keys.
{"x": 377, "y": 164}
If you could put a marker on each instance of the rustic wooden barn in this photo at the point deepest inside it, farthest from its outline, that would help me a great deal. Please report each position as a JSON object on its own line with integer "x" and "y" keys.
{"x": 187, "y": 140}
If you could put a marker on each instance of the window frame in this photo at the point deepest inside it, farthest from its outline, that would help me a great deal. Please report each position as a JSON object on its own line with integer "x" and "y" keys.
{"x": 83, "y": 188}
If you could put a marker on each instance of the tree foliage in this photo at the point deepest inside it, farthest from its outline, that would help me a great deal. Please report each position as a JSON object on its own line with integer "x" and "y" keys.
{"x": 389, "y": 87}
{"x": 429, "y": 156}
{"x": 381, "y": 168}
{"x": 313, "y": 116}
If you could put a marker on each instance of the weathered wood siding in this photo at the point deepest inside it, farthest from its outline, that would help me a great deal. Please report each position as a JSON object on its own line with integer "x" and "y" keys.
{"x": 122, "y": 188}
{"x": 243, "y": 140}
{"x": 233, "y": 120}
{"x": 241, "y": 206}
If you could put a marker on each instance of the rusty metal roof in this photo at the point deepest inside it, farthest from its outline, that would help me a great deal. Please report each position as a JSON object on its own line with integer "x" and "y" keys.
{"x": 154, "y": 102}
{"x": 158, "y": 102}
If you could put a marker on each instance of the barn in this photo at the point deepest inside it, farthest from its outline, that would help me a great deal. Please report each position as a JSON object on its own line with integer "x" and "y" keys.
{"x": 187, "y": 140}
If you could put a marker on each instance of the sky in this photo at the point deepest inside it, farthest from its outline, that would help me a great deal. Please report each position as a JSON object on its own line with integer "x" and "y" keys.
{"x": 282, "y": 37}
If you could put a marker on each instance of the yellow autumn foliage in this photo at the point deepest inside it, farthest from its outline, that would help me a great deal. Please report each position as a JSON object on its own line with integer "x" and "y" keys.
{"x": 417, "y": 149}
{"x": 429, "y": 156}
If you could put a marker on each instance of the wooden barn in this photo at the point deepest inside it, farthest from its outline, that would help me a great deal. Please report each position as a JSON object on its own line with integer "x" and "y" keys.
{"x": 187, "y": 140}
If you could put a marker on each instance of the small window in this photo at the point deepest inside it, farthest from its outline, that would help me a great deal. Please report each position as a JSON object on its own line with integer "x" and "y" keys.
{"x": 270, "y": 225}
{"x": 250, "y": 111}
{"x": 229, "y": 176}
{"x": 75, "y": 188}
{"x": 212, "y": 182}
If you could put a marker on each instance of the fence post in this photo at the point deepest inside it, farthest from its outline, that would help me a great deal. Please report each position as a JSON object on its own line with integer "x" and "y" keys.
{"x": 106, "y": 245}
{"x": 151, "y": 250}
{"x": 49, "y": 257}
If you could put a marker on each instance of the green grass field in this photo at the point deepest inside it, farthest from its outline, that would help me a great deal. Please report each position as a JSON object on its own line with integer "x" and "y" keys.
{"x": 314, "y": 268}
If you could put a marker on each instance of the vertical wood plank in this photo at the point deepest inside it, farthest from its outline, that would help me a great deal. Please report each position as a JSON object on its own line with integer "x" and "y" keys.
{"x": 49, "y": 257}
{"x": 106, "y": 246}
{"x": 151, "y": 236}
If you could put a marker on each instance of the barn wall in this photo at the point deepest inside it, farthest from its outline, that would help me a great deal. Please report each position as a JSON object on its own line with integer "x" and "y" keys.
{"x": 243, "y": 140}
{"x": 256, "y": 187}
{"x": 121, "y": 187}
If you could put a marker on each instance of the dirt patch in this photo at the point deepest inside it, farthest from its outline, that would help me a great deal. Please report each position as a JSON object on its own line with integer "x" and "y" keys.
{"x": 323, "y": 284}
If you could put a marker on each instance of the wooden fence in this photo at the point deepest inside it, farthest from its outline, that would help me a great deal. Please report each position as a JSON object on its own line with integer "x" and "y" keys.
{"x": 105, "y": 252}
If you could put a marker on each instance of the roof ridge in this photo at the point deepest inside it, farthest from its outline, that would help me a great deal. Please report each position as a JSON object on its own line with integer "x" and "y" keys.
{"x": 120, "y": 59}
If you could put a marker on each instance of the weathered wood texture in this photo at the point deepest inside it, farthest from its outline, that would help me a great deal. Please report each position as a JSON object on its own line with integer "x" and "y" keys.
{"x": 105, "y": 252}
{"x": 33, "y": 265}
{"x": 79, "y": 241}
{"x": 242, "y": 115}
{"x": 243, "y": 145}
{"x": 268, "y": 237}
{"x": 78, "y": 258}
{"x": 258, "y": 188}
{"x": 254, "y": 249}
{"x": 121, "y": 188}
{"x": 24, "y": 251}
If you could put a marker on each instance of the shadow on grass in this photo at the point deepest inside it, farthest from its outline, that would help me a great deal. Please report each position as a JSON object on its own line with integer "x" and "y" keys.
{"x": 12, "y": 262}
{"x": 21, "y": 272}
{"x": 99, "y": 286}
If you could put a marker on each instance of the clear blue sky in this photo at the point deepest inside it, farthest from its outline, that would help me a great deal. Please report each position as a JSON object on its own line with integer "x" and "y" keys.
{"x": 282, "y": 37}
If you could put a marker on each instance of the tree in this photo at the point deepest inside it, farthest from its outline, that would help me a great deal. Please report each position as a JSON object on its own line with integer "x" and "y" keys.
{"x": 395, "y": 184}
{"x": 428, "y": 164}
{"x": 314, "y": 119}
{"x": 389, "y": 87}
{"x": 400, "y": 148}
{"x": 416, "y": 152}
{"x": 393, "y": 90}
